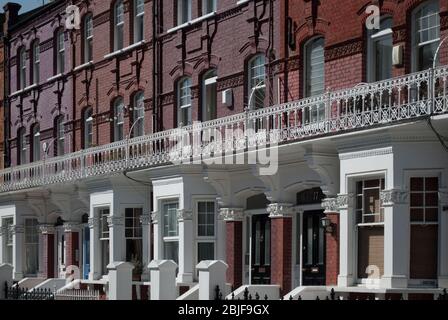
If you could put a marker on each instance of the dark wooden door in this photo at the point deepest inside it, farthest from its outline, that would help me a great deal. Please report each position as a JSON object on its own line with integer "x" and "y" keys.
{"x": 313, "y": 249}
{"x": 261, "y": 249}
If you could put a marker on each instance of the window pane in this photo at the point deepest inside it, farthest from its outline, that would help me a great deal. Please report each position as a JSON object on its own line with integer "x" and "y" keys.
{"x": 171, "y": 251}
{"x": 315, "y": 68}
{"x": 206, "y": 251}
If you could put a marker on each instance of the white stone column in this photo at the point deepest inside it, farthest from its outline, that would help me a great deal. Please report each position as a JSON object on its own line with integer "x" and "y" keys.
{"x": 443, "y": 239}
{"x": 347, "y": 246}
{"x": 212, "y": 274}
{"x": 185, "y": 218}
{"x": 155, "y": 217}
{"x": 120, "y": 280}
{"x": 2, "y": 241}
{"x": 117, "y": 240}
{"x": 396, "y": 238}
{"x": 220, "y": 238}
{"x": 145, "y": 220}
{"x": 95, "y": 249}
{"x": 163, "y": 280}
{"x": 18, "y": 233}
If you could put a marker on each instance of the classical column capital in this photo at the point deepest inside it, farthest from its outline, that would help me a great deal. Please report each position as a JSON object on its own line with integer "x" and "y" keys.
{"x": 115, "y": 221}
{"x": 71, "y": 226}
{"x": 330, "y": 205}
{"x": 16, "y": 229}
{"x": 280, "y": 210}
{"x": 231, "y": 214}
{"x": 393, "y": 196}
{"x": 94, "y": 222}
{"x": 443, "y": 197}
{"x": 145, "y": 219}
{"x": 47, "y": 229}
{"x": 184, "y": 214}
{"x": 344, "y": 201}
{"x": 155, "y": 217}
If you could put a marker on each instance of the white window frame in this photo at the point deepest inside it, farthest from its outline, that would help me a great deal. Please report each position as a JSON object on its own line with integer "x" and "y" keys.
{"x": 36, "y": 62}
{"x": 205, "y": 6}
{"x": 60, "y": 47}
{"x": 256, "y": 64}
{"x": 362, "y": 195}
{"x": 416, "y": 44}
{"x": 7, "y": 237}
{"x": 209, "y": 80}
{"x": 373, "y": 37}
{"x": 184, "y": 100}
{"x": 88, "y": 38}
{"x": 35, "y": 136}
{"x": 33, "y": 242}
{"x": 307, "y": 50}
{"x": 60, "y": 136}
{"x": 22, "y": 68}
{"x": 169, "y": 238}
{"x": 205, "y": 239}
{"x": 139, "y": 114}
{"x": 88, "y": 127}
{"x": 119, "y": 119}
{"x": 424, "y": 207}
{"x": 184, "y": 9}
{"x": 139, "y": 20}
{"x": 22, "y": 145}
{"x": 118, "y": 25}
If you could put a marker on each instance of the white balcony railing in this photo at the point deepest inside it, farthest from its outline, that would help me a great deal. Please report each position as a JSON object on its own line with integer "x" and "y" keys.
{"x": 411, "y": 96}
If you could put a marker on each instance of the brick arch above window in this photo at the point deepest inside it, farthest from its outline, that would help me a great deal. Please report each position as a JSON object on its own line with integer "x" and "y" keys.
{"x": 251, "y": 48}
{"x": 204, "y": 63}
{"x": 308, "y": 31}
{"x": 185, "y": 69}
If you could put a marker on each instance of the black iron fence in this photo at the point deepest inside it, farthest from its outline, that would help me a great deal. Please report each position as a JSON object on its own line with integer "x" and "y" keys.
{"x": 331, "y": 297}
{"x": 17, "y": 293}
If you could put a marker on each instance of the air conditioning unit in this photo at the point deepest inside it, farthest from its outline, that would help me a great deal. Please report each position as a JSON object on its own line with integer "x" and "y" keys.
{"x": 227, "y": 98}
{"x": 397, "y": 55}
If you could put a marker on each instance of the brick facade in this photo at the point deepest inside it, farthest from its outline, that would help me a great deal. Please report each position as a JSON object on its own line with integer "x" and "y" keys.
{"x": 234, "y": 252}
{"x": 72, "y": 248}
{"x": 281, "y": 253}
{"x": 48, "y": 255}
{"x": 332, "y": 251}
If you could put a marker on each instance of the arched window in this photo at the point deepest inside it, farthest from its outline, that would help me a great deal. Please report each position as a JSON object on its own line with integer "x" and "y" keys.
{"x": 209, "y": 96}
{"x": 35, "y": 49}
{"x": 35, "y": 135}
{"x": 184, "y": 101}
{"x": 21, "y": 146}
{"x": 59, "y": 136}
{"x": 118, "y": 25}
{"x": 60, "y": 51}
{"x": 138, "y": 115}
{"x": 88, "y": 38}
{"x": 139, "y": 20}
{"x": 425, "y": 34}
{"x": 118, "y": 119}
{"x": 314, "y": 67}
{"x": 87, "y": 118}
{"x": 21, "y": 68}
{"x": 379, "y": 51}
{"x": 256, "y": 73}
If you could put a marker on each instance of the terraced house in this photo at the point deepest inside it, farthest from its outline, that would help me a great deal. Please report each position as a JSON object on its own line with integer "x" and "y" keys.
{"x": 122, "y": 136}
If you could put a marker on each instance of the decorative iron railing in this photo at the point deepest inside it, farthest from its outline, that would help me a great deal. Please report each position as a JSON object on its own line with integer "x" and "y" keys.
{"x": 412, "y": 96}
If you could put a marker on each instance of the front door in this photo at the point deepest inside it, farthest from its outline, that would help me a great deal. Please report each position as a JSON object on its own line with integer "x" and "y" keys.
{"x": 313, "y": 249}
{"x": 261, "y": 249}
{"x": 61, "y": 252}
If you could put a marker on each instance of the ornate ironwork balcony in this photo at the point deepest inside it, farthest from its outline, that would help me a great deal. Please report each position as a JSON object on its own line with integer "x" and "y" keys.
{"x": 409, "y": 97}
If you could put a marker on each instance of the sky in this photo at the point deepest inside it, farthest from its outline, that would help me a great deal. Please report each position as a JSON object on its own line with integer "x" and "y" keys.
{"x": 26, "y": 4}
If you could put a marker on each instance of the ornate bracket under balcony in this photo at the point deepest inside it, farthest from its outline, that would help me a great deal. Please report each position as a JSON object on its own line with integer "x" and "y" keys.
{"x": 330, "y": 205}
{"x": 115, "y": 221}
{"x": 71, "y": 226}
{"x": 184, "y": 215}
{"x": 155, "y": 217}
{"x": 94, "y": 223}
{"x": 47, "y": 229}
{"x": 231, "y": 214}
{"x": 145, "y": 219}
{"x": 393, "y": 196}
{"x": 345, "y": 201}
{"x": 16, "y": 229}
{"x": 280, "y": 210}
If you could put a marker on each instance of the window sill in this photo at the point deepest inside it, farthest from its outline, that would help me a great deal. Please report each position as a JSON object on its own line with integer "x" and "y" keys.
{"x": 83, "y": 66}
{"x": 191, "y": 22}
{"x": 56, "y": 77}
{"x": 21, "y": 91}
{"x": 124, "y": 50}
